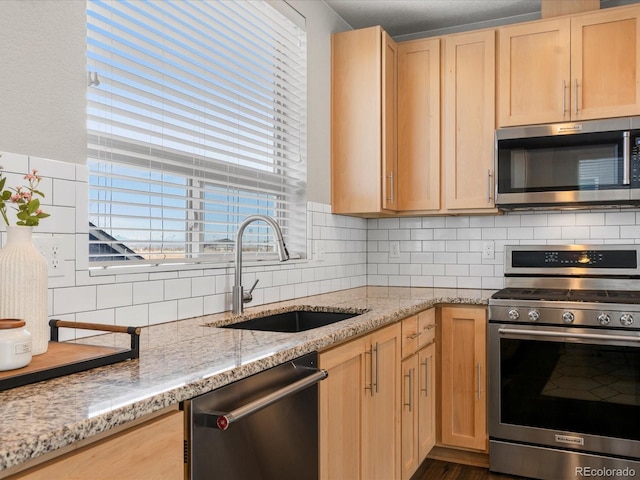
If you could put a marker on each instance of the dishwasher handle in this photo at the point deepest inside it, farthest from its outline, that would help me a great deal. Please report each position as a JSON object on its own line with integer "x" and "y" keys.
{"x": 224, "y": 420}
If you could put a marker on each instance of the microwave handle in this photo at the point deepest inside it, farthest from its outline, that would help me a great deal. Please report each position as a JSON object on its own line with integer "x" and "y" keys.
{"x": 626, "y": 153}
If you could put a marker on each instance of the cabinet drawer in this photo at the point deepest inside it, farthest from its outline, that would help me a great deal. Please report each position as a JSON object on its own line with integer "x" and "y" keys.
{"x": 417, "y": 331}
{"x": 426, "y": 327}
{"x": 410, "y": 336}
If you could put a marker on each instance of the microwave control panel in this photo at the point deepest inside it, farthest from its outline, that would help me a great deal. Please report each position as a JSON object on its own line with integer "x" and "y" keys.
{"x": 635, "y": 161}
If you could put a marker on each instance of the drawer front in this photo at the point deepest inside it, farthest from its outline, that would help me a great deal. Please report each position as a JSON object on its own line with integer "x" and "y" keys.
{"x": 410, "y": 336}
{"x": 426, "y": 327}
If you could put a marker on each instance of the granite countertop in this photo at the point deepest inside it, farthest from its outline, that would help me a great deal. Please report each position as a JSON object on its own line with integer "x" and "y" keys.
{"x": 180, "y": 360}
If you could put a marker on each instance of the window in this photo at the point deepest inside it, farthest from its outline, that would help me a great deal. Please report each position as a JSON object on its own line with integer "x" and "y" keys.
{"x": 196, "y": 119}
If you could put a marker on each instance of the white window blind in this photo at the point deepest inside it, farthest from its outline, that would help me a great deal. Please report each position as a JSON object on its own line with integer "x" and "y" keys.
{"x": 196, "y": 119}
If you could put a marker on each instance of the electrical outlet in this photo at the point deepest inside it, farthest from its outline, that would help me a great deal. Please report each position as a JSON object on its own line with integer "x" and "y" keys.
{"x": 50, "y": 250}
{"x": 394, "y": 249}
{"x": 488, "y": 250}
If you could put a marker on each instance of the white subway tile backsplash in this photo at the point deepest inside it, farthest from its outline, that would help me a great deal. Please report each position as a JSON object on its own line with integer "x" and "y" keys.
{"x": 190, "y": 307}
{"x": 74, "y": 299}
{"x": 548, "y": 233}
{"x": 590, "y": 219}
{"x": 14, "y": 162}
{"x": 64, "y": 193}
{"x": 520, "y": 233}
{"x": 605, "y": 232}
{"x": 114, "y": 295}
{"x": 53, "y": 168}
{"x": 450, "y": 253}
{"x": 134, "y": 316}
{"x": 148, "y": 292}
{"x": 620, "y": 218}
{"x": 177, "y": 288}
{"x": 162, "y": 312}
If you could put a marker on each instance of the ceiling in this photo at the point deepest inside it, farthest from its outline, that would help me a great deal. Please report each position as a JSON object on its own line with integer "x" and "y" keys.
{"x": 410, "y": 17}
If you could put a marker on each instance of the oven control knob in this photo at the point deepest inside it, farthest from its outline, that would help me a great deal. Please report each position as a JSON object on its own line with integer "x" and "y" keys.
{"x": 514, "y": 314}
{"x": 604, "y": 319}
{"x": 626, "y": 319}
{"x": 534, "y": 315}
{"x": 568, "y": 317}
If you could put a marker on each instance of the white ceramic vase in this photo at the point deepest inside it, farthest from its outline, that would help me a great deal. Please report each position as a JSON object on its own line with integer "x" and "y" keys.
{"x": 23, "y": 285}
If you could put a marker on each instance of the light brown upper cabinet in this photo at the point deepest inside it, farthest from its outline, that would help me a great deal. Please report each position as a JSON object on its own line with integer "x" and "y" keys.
{"x": 571, "y": 68}
{"x": 468, "y": 120}
{"x": 419, "y": 125}
{"x": 364, "y": 177}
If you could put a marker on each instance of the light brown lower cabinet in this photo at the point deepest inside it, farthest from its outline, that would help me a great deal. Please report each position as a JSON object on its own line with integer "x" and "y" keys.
{"x": 418, "y": 409}
{"x": 359, "y": 405}
{"x": 149, "y": 451}
{"x": 462, "y": 385}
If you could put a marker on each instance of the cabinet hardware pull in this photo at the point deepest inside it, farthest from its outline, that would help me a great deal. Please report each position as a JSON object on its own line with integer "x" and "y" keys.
{"x": 479, "y": 370}
{"x": 489, "y": 175}
{"x": 377, "y": 369}
{"x": 370, "y": 387}
{"x": 390, "y": 177}
{"x": 410, "y": 404}
{"x": 414, "y": 336}
{"x": 626, "y": 149}
{"x": 564, "y": 98}
{"x": 426, "y": 377}
{"x": 575, "y": 97}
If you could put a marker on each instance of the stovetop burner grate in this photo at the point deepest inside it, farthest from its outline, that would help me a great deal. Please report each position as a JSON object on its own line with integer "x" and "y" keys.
{"x": 565, "y": 295}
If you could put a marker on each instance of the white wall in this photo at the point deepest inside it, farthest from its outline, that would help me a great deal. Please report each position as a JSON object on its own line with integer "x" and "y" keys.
{"x": 42, "y": 78}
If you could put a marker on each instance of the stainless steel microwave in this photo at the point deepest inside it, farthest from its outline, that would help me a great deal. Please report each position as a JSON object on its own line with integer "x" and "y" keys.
{"x": 569, "y": 165}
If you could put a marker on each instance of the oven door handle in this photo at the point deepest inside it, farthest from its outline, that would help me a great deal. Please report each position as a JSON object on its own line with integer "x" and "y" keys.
{"x": 583, "y": 336}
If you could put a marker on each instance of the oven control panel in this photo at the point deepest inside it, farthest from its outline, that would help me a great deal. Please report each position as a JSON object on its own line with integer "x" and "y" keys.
{"x": 535, "y": 261}
{"x": 611, "y": 316}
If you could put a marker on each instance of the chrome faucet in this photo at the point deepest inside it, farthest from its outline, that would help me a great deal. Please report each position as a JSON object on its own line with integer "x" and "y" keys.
{"x": 239, "y": 297}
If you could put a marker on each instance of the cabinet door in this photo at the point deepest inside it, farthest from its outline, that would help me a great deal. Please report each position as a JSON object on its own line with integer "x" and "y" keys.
{"x": 463, "y": 399}
{"x": 356, "y": 137}
{"x": 426, "y": 401}
{"x": 389, "y": 123}
{"x": 534, "y": 73}
{"x": 410, "y": 416}
{"x": 605, "y": 64}
{"x": 469, "y": 121}
{"x": 419, "y": 125}
{"x": 152, "y": 450}
{"x": 381, "y": 407}
{"x": 341, "y": 395}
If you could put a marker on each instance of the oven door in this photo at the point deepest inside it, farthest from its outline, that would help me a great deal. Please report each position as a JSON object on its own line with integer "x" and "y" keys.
{"x": 565, "y": 388}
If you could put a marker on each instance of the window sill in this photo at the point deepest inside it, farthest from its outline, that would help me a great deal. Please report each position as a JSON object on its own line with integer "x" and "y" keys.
{"x": 122, "y": 269}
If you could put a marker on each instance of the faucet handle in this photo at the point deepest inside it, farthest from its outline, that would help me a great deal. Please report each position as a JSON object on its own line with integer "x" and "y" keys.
{"x": 247, "y": 297}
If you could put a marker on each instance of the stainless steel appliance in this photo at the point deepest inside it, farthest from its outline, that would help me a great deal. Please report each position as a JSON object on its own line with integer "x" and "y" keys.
{"x": 564, "y": 363}
{"x": 569, "y": 164}
{"x": 262, "y": 427}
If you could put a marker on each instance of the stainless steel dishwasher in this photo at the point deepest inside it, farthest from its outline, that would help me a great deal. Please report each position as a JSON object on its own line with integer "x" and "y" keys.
{"x": 262, "y": 427}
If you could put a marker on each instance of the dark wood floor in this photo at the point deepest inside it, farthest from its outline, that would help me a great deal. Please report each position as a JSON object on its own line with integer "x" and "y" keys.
{"x": 438, "y": 470}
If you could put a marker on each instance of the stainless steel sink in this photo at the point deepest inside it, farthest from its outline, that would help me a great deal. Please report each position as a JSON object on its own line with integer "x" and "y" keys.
{"x": 293, "y": 321}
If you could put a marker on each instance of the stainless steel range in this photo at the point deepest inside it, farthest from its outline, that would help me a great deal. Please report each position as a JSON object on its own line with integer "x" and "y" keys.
{"x": 564, "y": 363}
